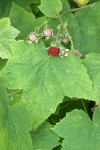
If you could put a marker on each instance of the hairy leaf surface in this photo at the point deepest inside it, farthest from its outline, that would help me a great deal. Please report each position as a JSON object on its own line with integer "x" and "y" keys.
{"x": 44, "y": 78}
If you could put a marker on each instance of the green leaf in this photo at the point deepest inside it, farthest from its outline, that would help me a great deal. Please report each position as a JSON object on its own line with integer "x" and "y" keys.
{"x": 22, "y": 20}
{"x": 36, "y": 1}
{"x": 93, "y": 1}
{"x": 65, "y": 6}
{"x": 73, "y": 28}
{"x": 84, "y": 27}
{"x": 45, "y": 79}
{"x": 5, "y": 8}
{"x": 88, "y": 20}
{"x": 50, "y": 8}
{"x": 7, "y": 36}
{"x": 15, "y": 123}
{"x": 44, "y": 137}
{"x": 2, "y": 63}
{"x": 79, "y": 132}
{"x": 92, "y": 63}
{"x": 53, "y": 23}
{"x": 24, "y": 4}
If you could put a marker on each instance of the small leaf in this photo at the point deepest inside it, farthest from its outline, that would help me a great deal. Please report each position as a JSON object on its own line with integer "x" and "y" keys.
{"x": 79, "y": 132}
{"x": 7, "y": 36}
{"x": 15, "y": 124}
{"x": 44, "y": 137}
{"x": 50, "y": 8}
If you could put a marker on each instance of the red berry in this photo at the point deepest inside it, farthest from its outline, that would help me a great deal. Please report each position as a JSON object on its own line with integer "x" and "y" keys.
{"x": 54, "y": 51}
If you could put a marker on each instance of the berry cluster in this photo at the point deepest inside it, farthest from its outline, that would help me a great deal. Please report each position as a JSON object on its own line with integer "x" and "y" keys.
{"x": 52, "y": 50}
{"x": 55, "y": 49}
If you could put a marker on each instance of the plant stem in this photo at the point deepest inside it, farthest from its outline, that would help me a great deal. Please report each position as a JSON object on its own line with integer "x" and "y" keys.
{"x": 76, "y": 9}
{"x": 72, "y": 45}
{"x": 57, "y": 38}
{"x": 39, "y": 27}
{"x": 15, "y": 92}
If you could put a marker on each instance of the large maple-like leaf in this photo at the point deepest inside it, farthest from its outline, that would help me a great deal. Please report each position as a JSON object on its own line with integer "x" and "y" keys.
{"x": 79, "y": 132}
{"x": 45, "y": 79}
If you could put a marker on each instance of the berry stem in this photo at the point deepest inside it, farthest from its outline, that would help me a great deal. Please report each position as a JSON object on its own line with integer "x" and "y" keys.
{"x": 64, "y": 26}
{"x": 15, "y": 92}
{"x": 57, "y": 37}
{"x": 72, "y": 45}
{"x": 39, "y": 27}
{"x": 76, "y": 9}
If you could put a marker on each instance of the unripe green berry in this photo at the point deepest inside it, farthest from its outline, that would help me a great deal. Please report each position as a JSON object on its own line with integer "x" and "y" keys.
{"x": 81, "y": 3}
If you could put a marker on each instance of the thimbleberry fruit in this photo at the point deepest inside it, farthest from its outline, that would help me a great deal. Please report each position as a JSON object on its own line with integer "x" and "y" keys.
{"x": 47, "y": 32}
{"x": 33, "y": 37}
{"x": 54, "y": 51}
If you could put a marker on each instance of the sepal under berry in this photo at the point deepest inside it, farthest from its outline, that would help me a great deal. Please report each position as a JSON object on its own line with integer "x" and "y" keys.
{"x": 63, "y": 52}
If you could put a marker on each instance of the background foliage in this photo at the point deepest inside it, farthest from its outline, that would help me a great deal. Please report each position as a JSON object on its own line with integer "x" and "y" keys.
{"x": 49, "y": 103}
